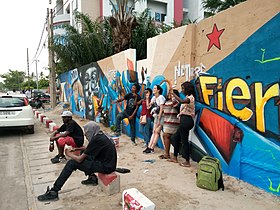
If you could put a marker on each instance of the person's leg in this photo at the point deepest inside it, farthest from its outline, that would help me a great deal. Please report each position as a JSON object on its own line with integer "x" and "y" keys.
{"x": 156, "y": 136}
{"x": 147, "y": 131}
{"x": 71, "y": 166}
{"x": 120, "y": 117}
{"x": 132, "y": 129}
{"x": 184, "y": 135}
{"x": 166, "y": 142}
{"x": 52, "y": 194}
{"x": 175, "y": 140}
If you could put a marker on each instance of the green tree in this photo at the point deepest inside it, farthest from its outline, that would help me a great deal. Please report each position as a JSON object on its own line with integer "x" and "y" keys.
{"x": 215, "y": 6}
{"x": 122, "y": 23}
{"x": 13, "y": 79}
{"x": 146, "y": 28}
{"x": 43, "y": 83}
{"x": 79, "y": 48}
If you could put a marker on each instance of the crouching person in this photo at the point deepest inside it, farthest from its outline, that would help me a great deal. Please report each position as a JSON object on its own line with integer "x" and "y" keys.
{"x": 69, "y": 133}
{"x": 99, "y": 156}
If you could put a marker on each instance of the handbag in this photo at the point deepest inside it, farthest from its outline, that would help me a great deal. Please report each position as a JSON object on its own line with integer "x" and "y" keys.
{"x": 143, "y": 119}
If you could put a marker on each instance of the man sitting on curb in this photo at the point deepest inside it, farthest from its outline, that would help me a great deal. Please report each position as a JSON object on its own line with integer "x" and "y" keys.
{"x": 69, "y": 133}
{"x": 99, "y": 156}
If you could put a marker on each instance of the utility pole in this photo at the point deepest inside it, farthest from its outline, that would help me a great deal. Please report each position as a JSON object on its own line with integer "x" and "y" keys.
{"x": 28, "y": 70}
{"x": 52, "y": 75}
{"x": 37, "y": 83}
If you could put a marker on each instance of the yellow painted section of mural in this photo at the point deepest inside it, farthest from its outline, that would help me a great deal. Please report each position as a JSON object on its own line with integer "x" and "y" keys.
{"x": 187, "y": 49}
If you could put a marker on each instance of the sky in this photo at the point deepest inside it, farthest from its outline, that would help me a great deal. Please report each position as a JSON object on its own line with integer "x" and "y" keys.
{"x": 22, "y": 23}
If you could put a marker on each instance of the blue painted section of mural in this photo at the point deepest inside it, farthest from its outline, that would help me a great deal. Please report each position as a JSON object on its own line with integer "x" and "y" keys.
{"x": 251, "y": 155}
{"x": 91, "y": 94}
{"x": 256, "y": 159}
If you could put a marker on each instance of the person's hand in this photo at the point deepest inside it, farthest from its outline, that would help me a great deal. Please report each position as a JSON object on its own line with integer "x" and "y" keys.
{"x": 67, "y": 152}
{"x": 130, "y": 118}
{"x": 171, "y": 92}
{"x": 52, "y": 138}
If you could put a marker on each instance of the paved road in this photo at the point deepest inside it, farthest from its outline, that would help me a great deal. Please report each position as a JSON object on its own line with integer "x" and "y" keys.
{"x": 13, "y": 193}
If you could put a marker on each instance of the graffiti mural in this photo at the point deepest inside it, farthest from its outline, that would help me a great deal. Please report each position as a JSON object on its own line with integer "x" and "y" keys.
{"x": 236, "y": 74}
{"x": 242, "y": 93}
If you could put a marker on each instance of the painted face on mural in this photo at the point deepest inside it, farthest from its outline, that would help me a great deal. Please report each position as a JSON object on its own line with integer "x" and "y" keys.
{"x": 91, "y": 82}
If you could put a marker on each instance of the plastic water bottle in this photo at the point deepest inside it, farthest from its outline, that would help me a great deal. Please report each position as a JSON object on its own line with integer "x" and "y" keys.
{"x": 51, "y": 147}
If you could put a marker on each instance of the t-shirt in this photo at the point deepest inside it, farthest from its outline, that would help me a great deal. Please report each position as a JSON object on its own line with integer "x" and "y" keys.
{"x": 102, "y": 149}
{"x": 145, "y": 111}
{"x": 130, "y": 106}
{"x": 160, "y": 100}
{"x": 75, "y": 130}
{"x": 188, "y": 109}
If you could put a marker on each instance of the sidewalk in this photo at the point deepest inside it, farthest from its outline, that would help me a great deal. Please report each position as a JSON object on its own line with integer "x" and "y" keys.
{"x": 167, "y": 184}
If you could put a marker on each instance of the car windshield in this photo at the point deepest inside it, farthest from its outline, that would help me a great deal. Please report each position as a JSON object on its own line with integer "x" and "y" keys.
{"x": 12, "y": 102}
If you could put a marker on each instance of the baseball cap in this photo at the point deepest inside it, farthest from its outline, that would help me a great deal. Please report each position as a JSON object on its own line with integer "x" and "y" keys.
{"x": 66, "y": 114}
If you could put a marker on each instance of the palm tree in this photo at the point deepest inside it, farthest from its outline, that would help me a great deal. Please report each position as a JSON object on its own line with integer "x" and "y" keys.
{"x": 122, "y": 23}
{"x": 81, "y": 47}
{"x": 214, "y": 6}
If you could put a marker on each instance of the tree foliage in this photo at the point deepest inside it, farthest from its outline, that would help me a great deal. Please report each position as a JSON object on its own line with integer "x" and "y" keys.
{"x": 79, "y": 48}
{"x": 13, "y": 79}
{"x": 215, "y": 6}
{"x": 101, "y": 38}
{"x": 146, "y": 28}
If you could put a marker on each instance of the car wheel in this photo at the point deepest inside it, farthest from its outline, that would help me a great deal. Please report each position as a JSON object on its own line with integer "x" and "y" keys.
{"x": 30, "y": 130}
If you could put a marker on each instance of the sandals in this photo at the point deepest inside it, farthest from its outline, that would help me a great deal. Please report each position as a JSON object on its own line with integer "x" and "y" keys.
{"x": 185, "y": 164}
{"x": 172, "y": 160}
{"x": 164, "y": 157}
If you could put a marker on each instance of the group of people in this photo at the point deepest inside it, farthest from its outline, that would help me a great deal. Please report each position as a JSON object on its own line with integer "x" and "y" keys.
{"x": 99, "y": 156}
{"x": 172, "y": 114}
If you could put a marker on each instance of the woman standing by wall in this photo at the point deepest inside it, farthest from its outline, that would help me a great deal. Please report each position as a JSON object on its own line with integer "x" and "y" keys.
{"x": 157, "y": 111}
{"x": 186, "y": 115}
{"x": 171, "y": 122}
{"x": 145, "y": 127}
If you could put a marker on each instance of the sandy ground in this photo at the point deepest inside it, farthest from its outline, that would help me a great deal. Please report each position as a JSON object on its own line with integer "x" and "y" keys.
{"x": 168, "y": 185}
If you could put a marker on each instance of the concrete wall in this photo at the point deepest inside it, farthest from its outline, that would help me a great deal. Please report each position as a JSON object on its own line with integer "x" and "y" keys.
{"x": 233, "y": 60}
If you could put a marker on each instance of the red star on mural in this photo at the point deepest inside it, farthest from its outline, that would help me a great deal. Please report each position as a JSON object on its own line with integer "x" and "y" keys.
{"x": 214, "y": 37}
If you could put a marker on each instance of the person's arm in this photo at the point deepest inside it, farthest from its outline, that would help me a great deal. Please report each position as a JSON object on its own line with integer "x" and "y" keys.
{"x": 63, "y": 134}
{"x": 77, "y": 158}
{"x": 182, "y": 101}
{"x": 134, "y": 113}
{"x": 118, "y": 100}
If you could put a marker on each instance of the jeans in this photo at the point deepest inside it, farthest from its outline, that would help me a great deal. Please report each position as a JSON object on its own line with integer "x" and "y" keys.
{"x": 182, "y": 136}
{"x": 88, "y": 166}
{"x": 132, "y": 122}
{"x": 146, "y": 130}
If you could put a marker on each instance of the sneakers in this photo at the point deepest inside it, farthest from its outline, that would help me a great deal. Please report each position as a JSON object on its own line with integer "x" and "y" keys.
{"x": 148, "y": 150}
{"x": 117, "y": 133}
{"x": 92, "y": 180}
{"x": 50, "y": 195}
{"x": 58, "y": 159}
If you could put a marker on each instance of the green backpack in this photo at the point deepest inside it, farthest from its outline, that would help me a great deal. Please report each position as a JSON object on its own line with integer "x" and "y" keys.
{"x": 209, "y": 174}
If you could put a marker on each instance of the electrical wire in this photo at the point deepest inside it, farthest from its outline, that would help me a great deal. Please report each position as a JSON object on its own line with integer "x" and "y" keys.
{"x": 42, "y": 34}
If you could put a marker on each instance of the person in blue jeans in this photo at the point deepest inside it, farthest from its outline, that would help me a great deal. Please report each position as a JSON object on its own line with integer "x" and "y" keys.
{"x": 130, "y": 111}
{"x": 145, "y": 129}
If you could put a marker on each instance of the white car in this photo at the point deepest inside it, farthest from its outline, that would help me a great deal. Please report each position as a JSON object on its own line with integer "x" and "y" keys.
{"x": 15, "y": 112}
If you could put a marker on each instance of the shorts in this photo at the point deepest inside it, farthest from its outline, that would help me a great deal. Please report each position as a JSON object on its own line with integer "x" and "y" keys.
{"x": 161, "y": 120}
{"x": 66, "y": 140}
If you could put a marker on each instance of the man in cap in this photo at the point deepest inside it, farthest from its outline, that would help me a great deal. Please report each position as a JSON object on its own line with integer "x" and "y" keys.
{"x": 99, "y": 156}
{"x": 69, "y": 133}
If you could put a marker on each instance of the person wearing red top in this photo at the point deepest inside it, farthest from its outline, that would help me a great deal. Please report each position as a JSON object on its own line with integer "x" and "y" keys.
{"x": 145, "y": 129}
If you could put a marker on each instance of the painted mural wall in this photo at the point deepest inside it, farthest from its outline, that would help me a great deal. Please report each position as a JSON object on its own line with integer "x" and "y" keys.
{"x": 233, "y": 59}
